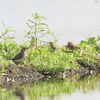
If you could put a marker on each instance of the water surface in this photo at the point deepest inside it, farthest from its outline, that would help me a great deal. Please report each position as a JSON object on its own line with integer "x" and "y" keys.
{"x": 70, "y": 20}
{"x": 86, "y": 87}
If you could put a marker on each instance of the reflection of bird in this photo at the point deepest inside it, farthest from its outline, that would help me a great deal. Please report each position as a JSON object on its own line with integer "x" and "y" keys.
{"x": 53, "y": 46}
{"x": 20, "y": 94}
{"x": 20, "y": 56}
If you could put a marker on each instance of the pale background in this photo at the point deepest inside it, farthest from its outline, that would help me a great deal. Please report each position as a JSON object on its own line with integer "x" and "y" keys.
{"x": 69, "y": 20}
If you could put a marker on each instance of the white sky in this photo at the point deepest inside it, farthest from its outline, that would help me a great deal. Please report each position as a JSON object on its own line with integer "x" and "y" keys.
{"x": 70, "y": 20}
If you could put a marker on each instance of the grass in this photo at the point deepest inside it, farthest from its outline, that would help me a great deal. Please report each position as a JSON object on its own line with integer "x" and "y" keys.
{"x": 46, "y": 60}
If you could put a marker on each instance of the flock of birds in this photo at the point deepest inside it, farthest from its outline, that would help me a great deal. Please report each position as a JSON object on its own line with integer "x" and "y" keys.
{"x": 23, "y": 53}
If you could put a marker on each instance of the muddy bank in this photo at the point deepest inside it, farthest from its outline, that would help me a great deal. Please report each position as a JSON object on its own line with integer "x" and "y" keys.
{"x": 71, "y": 72}
{"x": 81, "y": 72}
{"x": 16, "y": 73}
{"x": 23, "y": 75}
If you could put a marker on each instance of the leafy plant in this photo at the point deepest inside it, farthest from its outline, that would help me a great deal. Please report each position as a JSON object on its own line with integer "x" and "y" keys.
{"x": 38, "y": 29}
{"x": 4, "y": 36}
{"x": 7, "y": 44}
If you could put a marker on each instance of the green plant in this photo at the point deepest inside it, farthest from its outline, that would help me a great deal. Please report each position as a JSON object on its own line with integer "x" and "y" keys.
{"x": 87, "y": 54}
{"x": 7, "y": 46}
{"x": 38, "y": 29}
{"x": 4, "y": 36}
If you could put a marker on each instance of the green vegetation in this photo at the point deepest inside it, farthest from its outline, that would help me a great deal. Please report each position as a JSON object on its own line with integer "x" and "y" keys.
{"x": 38, "y": 29}
{"x": 42, "y": 57}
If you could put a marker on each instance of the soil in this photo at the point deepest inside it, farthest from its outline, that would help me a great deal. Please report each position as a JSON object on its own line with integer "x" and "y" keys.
{"x": 16, "y": 73}
{"x": 21, "y": 76}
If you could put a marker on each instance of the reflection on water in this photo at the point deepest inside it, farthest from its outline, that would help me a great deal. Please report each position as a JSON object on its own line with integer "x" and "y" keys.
{"x": 85, "y": 87}
{"x": 20, "y": 94}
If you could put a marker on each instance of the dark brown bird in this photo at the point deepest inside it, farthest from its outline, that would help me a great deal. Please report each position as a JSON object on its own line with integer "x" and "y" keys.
{"x": 20, "y": 56}
{"x": 71, "y": 45}
{"x": 53, "y": 46}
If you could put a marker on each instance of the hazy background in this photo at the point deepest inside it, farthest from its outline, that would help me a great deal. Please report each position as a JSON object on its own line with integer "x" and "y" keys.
{"x": 69, "y": 20}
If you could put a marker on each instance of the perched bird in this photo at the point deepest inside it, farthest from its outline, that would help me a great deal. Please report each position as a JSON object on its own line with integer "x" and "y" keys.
{"x": 71, "y": 46}
{"x": 53, "y": 46}
{"x": 20, "y": 56}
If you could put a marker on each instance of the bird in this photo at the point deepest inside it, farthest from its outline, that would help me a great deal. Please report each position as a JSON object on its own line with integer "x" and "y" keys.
{"x": 71, "y": 45}
{"x": 20, "y": 56}
{"x": 53, "y": 46}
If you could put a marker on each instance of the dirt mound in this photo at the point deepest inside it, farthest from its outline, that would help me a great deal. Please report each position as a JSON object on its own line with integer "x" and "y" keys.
{"x": 16, "y": 73}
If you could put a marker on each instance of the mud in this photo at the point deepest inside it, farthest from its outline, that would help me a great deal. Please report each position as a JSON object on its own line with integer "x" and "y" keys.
{"x": 21, "y": 74}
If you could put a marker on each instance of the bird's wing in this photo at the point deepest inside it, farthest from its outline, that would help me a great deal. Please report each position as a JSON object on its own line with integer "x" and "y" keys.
{"x": 17, "y": 57}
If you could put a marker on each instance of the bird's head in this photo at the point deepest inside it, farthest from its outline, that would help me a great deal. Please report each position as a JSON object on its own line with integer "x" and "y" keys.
{"x": 24, "y": 49}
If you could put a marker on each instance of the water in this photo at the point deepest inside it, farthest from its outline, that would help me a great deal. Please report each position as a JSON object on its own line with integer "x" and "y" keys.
{"x": 72, "y": 88}
{"x": 70, "y": 20}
